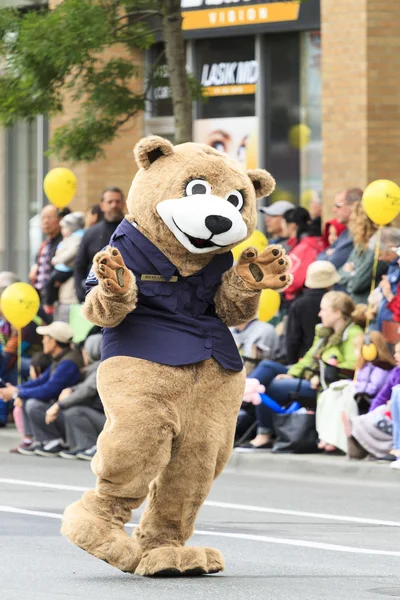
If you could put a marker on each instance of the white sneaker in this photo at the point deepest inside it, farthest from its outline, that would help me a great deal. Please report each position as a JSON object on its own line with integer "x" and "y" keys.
{"x": 395, "y": 464}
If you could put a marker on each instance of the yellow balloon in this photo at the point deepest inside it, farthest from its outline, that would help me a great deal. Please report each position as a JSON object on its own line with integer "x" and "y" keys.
{"x": 256, "y": 240}
{"x": 281, "y": 194}
{"x": 270, "y": 302}
{"x": 60, "y": 186}
{"x": 369, "y": 352}
{"x": 19, "y": 304}
{"x": 307, "y": 197}
{"x": 381, "y": 201}
{"x": 299, "y": 136}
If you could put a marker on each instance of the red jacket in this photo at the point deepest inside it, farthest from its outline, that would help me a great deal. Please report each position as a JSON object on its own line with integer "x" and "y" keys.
{"x": 302, "y": 256}
{"x": 394, "y": 306}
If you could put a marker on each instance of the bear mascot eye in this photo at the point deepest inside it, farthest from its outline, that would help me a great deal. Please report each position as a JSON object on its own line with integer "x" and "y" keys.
{"x": 236, "y": 198}
{"x": 198, "y": 186}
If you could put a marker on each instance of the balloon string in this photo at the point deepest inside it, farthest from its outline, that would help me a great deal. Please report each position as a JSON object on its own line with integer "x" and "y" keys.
{"x": 19, "y": 364}
{"x": 374, "y": 271}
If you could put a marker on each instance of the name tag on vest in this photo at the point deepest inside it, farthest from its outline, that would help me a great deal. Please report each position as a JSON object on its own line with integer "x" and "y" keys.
{"x": 173, "y": 279}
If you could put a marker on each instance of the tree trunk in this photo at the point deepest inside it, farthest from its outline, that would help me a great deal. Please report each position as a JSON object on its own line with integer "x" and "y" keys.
{"x": 176, "y": 62}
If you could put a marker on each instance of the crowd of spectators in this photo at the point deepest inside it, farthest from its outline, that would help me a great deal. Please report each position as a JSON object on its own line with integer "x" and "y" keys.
{"x": 309, "y": 358}
{"x": 316, "y": 369}
{"x": 55, "y": 405}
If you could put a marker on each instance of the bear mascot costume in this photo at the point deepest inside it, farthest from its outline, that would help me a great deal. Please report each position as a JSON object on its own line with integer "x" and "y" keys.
{"x": 171, "y": 379}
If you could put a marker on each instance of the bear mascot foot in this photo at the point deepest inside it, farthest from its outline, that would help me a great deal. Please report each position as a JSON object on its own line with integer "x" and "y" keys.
{"x": 170, "y": 561}
{"x": 97, "y": 526}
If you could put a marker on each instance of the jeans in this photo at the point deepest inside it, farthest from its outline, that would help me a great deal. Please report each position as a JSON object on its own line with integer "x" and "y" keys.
{"x": 395, "y": 410}
{"x": 83, "y": 425}
{"x": 279, "y": 391}
{"x": 34, "y": 415}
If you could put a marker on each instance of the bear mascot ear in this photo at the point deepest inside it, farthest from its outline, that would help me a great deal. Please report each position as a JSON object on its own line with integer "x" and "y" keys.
{"x": 263, "y": 182}
{"x": 151, "y": 148}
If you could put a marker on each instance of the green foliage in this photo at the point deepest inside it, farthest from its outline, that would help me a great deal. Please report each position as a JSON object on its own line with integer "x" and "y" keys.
{"x": 44, "y": 53}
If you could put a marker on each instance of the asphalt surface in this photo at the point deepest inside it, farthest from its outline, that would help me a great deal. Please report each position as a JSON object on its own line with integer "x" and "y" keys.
{"x": 284, "y": 536}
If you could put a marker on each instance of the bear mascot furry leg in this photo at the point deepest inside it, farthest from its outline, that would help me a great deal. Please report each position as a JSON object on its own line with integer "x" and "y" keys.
{"x": 171, "y": 380}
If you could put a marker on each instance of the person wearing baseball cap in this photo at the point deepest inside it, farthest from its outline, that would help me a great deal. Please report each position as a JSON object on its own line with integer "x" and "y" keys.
{"x": 36, "y": 396}
{"x": 274, "y": 221}
{"x": 303, "y": 313}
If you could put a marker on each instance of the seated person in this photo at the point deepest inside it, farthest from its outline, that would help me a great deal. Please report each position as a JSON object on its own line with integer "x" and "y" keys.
{"x": 72, "y": 229}
{"x": 308, "y": 244}
{"x": 357, "y": 273}
{"x": 40, "y": 362}
{"x": 331, "y": 356}
{"x": 255, "y": 340}
{"x": 81, "y": 407}
{"x": 382, "y": 303}
{"x": 372, "y": 433}
{"x": 332, "y": 231}
{"x": 352, "y": 397}
{"x": 303, "y": 311}
{"x": 37, "y": 395}
{"x": 93, "y": 215}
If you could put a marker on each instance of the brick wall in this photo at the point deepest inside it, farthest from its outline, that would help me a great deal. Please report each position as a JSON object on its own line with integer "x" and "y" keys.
{"x": 344, "y": 96}
{"x": 361, "y": 93}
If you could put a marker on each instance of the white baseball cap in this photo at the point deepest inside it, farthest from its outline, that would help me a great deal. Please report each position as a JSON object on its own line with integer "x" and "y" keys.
{"x": 277, "y": 209}
{"x": 58, "y": 330}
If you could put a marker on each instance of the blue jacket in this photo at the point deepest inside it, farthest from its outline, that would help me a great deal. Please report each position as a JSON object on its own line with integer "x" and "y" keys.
{"x": 63, "y": 373}
{"x": 174, "y": 322}
{"x": 343, "y": 247}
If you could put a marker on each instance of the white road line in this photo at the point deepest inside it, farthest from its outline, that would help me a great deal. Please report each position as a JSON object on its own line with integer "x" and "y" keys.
{"x": 298, "y": 513}
{"x": 41, "y": 484}
{"x": 245, "y": 507}
{"x": 237, "y": 536}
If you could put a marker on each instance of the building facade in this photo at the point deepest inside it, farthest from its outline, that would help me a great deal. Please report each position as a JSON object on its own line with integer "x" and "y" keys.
{"x": 310, "y": 91}
{"x": 260, "y": 67}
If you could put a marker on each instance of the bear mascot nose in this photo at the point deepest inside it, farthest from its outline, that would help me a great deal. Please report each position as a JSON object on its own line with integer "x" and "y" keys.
{"x": 217, "y": 224}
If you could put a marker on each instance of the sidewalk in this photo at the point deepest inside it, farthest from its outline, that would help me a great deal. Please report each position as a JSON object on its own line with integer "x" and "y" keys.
{"x": 266, "y": 464}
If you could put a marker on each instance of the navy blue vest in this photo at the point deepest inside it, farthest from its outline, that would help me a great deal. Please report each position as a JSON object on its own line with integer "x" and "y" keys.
{"x": 174, "y": 322}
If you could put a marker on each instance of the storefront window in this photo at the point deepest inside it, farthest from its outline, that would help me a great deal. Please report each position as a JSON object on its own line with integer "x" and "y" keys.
{"x": 295, "y": 150}
{"x": 311, "y": 116}
{"x": 228, "y": 72}
{"x": 284, "y": 100}
{"x": 160, "y": 96}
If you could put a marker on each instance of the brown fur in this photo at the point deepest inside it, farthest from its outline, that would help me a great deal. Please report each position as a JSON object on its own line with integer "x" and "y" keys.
{"x": 153, "y": 443}
{"x": 235, "y": 302}
{"x": 109, "y": 303}
{"x": 169, "y": 430}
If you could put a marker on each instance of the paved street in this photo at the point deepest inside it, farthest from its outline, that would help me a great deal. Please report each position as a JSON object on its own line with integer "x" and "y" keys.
{"x": 278, "y": 533}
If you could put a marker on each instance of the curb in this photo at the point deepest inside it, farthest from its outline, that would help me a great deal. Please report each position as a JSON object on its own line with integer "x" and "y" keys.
{"x": 266, "y": 464}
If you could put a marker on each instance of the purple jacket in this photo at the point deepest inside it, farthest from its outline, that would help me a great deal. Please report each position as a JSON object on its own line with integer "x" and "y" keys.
{"x": 370, "y": 379}
{"x": 393, "y": 378}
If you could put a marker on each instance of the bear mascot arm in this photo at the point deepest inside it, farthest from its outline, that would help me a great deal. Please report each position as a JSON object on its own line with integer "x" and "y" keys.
{"x": 116, "y": 294}
{"x": 238, "y": 296}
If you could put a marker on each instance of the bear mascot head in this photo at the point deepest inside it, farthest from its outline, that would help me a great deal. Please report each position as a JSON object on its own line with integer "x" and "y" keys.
{"x": 192, "y": 201}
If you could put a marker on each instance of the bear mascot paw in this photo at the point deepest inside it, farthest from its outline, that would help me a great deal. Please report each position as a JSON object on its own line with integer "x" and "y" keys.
{"x": 165, "y": 291}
